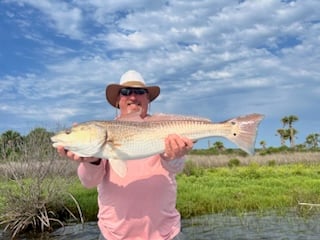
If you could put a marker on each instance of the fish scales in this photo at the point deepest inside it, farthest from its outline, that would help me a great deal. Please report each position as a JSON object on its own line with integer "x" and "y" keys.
{"x": 124, "y": 140}
{"x": 142, "y": 139}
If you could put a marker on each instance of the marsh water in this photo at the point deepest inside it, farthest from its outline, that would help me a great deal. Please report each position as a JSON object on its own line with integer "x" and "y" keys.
{"x": 216, "y": 226}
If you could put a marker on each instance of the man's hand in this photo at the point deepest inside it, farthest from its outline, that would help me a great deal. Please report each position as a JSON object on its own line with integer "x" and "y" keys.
{"x": 65, "y": 153}
{"x": 176, "y": 147}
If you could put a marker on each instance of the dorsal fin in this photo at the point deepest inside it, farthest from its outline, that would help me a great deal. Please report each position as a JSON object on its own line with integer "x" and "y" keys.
{"x": 172, "y": 117}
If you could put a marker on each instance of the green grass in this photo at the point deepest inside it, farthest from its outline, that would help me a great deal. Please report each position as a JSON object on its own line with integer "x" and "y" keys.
{"x": 235, "y": 189}
{"x": 232, "y": 189}
{"x": 87, "y": 199}
{"x": 250, "y": 188}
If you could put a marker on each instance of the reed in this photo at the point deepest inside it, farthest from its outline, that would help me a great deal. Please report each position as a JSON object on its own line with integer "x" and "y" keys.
{"x": 35, "y": 193}
{"x": 211, "y": 161}
{"x": 33, "y": 190}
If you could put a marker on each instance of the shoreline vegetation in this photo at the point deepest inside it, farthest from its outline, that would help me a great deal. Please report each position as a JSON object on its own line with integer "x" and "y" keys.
{"x": 39, "y": 191}
{"x": 43, "y": 195}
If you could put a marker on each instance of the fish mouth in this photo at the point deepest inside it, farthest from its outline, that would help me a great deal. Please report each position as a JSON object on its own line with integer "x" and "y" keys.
{"x": 53, "y": 139}
{"x": 56, "y": 141}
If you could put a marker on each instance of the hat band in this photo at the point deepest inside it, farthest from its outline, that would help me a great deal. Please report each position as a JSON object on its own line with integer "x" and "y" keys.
{"x": 133, "y": 84}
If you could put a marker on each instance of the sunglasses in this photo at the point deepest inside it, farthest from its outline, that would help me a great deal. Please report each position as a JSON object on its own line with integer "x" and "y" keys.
{"x": 129, "y": 91}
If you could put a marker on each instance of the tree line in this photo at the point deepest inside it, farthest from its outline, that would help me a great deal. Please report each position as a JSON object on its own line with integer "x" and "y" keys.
{"x": 36, "y": 145}
{"x": 288, "y": 133}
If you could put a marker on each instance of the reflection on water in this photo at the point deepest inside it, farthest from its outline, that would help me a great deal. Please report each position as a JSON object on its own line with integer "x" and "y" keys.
{"x": 88, "y": 231}
{"x": 217, "y": 226}
{"x": 253, "y": 226}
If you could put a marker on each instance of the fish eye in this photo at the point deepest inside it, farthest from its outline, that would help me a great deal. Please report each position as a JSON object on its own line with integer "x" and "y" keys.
{"x": 67, "y": 131}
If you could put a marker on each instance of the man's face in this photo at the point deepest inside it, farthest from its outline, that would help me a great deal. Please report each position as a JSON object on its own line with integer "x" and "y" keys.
{"x": 132, "y": 100}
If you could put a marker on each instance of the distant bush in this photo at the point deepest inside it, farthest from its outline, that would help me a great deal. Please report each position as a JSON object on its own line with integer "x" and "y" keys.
{"x": 214, "y": 151}
{"x": 262, "y": 152}
{"x": 209, "y": 151}
{"x": 272, "y": 163}
{"x": 191, "y": 169}
{"x": 286, "y": 149}
{"x": 234, "y": 162}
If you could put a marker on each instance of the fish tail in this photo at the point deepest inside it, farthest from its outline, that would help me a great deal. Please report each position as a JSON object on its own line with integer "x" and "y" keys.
{"x": 244, "y": 131}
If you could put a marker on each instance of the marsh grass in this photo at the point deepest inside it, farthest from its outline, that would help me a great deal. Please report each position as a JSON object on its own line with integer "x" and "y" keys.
{"x": 36, "y": 200}
{"x": 33, "y": 207}
{"x": 212, "y": 161}
{"x": 33, "y": 190}
{"x": 86, "y": 198}
{"x": 254, "y": 187}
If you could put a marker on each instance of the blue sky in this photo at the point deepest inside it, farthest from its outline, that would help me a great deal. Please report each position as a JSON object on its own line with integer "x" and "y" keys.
{"x": 212, "y": 58}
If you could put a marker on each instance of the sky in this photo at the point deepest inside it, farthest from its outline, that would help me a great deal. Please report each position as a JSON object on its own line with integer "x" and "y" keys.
{"x": 212, "y": 58}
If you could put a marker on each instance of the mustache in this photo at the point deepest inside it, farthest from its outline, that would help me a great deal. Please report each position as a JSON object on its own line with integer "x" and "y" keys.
{"x": 133, "y": 103}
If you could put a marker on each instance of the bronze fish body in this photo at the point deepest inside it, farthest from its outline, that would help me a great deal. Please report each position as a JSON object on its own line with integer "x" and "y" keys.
{"x": 125, "y": 139}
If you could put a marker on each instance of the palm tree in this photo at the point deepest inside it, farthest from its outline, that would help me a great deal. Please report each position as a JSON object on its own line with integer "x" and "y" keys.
{"x": 263, "y": 144}
{"x": 289, "y": 120}
{"x": 10, "y": 143}
{"x": 293, "y": 132}
{"x": 285, "y": 121}
{"x": 284, "y": 135}
{"x": 313, "y": 140}
{"x": 219, "y": 146}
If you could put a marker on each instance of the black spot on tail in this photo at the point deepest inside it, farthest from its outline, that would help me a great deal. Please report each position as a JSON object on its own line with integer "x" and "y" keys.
{"x": 67, "y": 131}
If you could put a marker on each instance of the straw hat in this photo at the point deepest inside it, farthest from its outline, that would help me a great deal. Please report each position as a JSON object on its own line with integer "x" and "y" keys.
{"x": 131, "y": 79}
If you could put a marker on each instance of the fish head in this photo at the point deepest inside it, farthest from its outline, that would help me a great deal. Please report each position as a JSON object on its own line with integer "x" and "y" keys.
{"x": 85, "y": 140}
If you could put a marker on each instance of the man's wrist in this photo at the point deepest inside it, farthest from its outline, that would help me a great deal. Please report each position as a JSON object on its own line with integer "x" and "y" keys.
{"x": 97, "y": 162}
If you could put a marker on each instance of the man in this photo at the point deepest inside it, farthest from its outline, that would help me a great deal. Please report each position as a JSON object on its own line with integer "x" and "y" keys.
{"x": 142, "y": 205}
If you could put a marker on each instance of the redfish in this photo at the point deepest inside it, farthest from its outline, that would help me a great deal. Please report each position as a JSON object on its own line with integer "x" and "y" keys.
{"x": 125, "y": 139}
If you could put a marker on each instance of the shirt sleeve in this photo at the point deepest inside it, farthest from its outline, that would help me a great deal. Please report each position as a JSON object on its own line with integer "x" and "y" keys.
{"x": 173, "y": 166}
{"x": 91, "y": 175}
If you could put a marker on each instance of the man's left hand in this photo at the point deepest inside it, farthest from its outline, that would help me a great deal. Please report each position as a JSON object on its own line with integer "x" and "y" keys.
{"x": 176, "y": 147}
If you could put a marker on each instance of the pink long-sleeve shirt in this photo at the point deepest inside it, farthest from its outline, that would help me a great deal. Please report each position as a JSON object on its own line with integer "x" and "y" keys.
{"x": 142, "y": 205}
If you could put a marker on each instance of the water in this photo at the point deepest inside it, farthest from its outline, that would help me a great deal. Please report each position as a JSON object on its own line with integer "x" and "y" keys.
{"x": 250, "y": 226}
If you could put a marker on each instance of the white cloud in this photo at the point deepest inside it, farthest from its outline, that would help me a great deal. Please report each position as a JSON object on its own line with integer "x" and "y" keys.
{"x": 211, "y": 58}
{"x": 63, "y": 17}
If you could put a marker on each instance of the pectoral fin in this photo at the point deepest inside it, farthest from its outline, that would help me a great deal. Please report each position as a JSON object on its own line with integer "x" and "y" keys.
{"x": 119, "y": 166}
